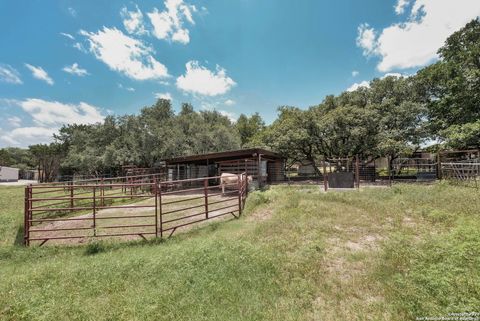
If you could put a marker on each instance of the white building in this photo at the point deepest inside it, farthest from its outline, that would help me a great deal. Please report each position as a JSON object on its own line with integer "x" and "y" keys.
{"x": 8, "y": 174}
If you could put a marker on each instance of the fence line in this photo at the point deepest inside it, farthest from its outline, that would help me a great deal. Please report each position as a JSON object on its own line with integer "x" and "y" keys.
{"x": 139, "y": 206}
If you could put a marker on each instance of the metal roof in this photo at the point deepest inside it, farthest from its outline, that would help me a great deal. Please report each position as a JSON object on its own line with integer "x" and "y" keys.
{"x": 222, "y": 156}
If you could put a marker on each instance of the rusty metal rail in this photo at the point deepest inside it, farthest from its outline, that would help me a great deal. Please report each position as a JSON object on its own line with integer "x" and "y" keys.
{"x": 132, "y": 206}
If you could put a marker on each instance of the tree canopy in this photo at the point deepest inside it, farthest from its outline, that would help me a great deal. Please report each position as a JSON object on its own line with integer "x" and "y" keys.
{"x": 394, "y": 116}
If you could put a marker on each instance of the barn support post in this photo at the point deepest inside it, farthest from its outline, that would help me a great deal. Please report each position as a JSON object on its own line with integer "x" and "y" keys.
{"x": 357, "y": 171}
{"x": 205, "y": 194}
{"x": 259, "y": 171}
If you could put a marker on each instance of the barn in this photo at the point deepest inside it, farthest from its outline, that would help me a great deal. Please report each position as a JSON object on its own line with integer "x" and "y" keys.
{"x": 8, "y": 174}
{"x": 263, "y": 165}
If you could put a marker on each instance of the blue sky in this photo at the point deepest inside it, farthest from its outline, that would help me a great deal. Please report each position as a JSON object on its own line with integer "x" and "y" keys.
{"x": 77, "y": 61}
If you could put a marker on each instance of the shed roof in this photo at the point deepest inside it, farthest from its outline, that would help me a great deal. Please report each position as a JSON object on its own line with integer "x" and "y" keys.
{"x": 223, "y": 156}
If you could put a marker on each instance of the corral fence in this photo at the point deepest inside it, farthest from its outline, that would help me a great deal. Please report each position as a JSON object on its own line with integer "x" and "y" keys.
{"x": 347, "y": 172}
{"x": 460, "y": 166}
{"x": 143, "y": 206}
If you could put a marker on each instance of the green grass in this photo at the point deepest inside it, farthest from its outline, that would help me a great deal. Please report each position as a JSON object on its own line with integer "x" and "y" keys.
{"x": 297, "y": 254}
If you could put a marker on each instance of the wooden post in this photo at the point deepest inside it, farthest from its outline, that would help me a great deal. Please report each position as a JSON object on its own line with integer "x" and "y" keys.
{"x": 205, "y": 194}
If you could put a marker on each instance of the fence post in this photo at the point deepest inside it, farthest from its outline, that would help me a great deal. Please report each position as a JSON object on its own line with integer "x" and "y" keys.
{"x": 160, "y": 209}
{"x": 29, "y": 223}
{"x": 94, "y": 212}
{"x": 155, "y": 192}
{"x": 205, "y": 193}
{"x": 102, "y": 192}
{"x": 357, "y": 171}
{"x": 389, "y": 169}
{"x": 26, "y": 217}
{"x": 439, "y": 166}
{"x": 71, "y": 196}
{"x": 325, "y": 177}
{"x": 239, "y": 183}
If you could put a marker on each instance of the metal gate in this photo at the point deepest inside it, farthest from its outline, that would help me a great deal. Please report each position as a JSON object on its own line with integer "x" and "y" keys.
{"x": 141, "y": 206}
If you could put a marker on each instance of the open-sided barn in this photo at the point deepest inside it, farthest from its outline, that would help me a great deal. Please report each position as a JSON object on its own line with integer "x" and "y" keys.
{"x": 263, "y": 165}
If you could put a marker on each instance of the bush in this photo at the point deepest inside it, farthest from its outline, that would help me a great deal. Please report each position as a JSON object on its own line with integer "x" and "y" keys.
{"x": 94, "y": 248}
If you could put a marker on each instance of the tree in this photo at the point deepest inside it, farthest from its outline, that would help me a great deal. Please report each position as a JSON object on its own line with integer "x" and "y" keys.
{"x": 249, "y": 127}
{"x": 451, "y": 88}
{"x": 47, "y": 159}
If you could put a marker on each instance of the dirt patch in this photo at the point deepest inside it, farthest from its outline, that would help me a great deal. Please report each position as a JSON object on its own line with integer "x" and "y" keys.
{"x": 260, "y": 215}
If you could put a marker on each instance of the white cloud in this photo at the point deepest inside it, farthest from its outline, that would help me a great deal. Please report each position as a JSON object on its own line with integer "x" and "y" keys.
{"x": 357, "y": 85}
{"x": 79, "y": 46}
{"x": 169, "y": 24}
{"x": 355, "y": 73}
{"x": 400, "y": 6}
{"x": 124, "y": 54}
{"x": 67, "y": 35}
{"x": 72, "y": 12}
{"x": 48, "y": 117}
{"x": 40, "y": 73}
{"x": 133, "y": 21}
{"x": 25, "y": 136}
{"x": 229, "y": 102}
{"x": 167, "y": 96}
{"x": 200, "y": 80}
{"x": 414, "y": 42}
{"x": 228, "y": 114}
{"x": 131, "y": 89}
{"x": 14, "y": 121}
{"x": 75, "y": 70}
{"x": 212, "y": 106}
{"x": 366, "y": 39}
{"x": 9, "y": 75}
{"x": 393, "y": 74}
{"x": 54, "y": 113}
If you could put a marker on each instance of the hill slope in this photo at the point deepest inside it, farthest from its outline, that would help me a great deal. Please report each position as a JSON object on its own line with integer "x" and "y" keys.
{"x": 296, "y": 254}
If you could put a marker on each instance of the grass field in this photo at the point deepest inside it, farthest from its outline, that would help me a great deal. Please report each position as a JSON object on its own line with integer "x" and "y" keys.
{"x": 297, "y": 254}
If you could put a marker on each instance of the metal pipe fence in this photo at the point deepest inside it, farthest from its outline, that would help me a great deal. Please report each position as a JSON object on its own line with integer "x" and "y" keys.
{"x": 133, "y": 206}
